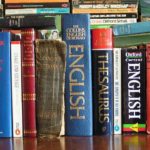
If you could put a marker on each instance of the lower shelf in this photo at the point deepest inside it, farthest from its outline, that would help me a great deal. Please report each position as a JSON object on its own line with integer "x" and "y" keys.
{"x": 114, "y": 142}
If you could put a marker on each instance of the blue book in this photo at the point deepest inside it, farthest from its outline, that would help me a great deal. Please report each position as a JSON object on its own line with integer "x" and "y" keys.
{"x": 5, "y": 86}
{"x": 78, "y": 84}
{"x": 131, "y": 28}
{"x": 102, "y": 75}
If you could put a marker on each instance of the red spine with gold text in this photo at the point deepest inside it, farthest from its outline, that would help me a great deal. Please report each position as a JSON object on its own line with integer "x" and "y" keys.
{"x": 28, "y": 82}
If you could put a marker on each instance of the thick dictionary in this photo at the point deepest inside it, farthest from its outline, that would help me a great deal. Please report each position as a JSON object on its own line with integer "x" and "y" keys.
{"x": 78, "y": 81}
{"x": 50, "y": 77}
{"x": 133, "y": 90}
{"x": 28, "y": 82}
{"x": 102, "y": 73}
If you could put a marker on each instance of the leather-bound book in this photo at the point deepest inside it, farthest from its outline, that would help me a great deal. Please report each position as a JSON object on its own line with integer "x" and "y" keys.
{"x": 50, "y": 75}
{"x": 28, "y": 82}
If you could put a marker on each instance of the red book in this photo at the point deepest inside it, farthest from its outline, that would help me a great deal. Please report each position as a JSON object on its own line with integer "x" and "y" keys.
{"x": 101, "y": 35}
{"x": 148, "y": 86}
{"x": 28, "y": 82}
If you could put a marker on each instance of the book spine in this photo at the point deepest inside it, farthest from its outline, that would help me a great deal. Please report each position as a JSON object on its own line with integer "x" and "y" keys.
{"x": 50, "y": 80}
{"x": 107, "y": 6}
{"x": 131, "y": 40}
{"x": 34, "y": 1}
{"x": 134, "y": 90}
{"x": 28, "y": 82}
{"x": 117, "y": 91}
{"x": 21, "y": 21}
{"x": 104, "y": 10}
{"x": 102, "y": 70}
{"x": 131, "y": 28}
{"x": 113, "y": 21}
{"x": 5, "y": 88}
{"x": 28, "y": 11}
{"x": 148, "y": 86}
{"x": 37, "y": 5}
{"x": 115, "y": 16}
{"x": 78, "y": 88}
{"x": 16, "y": 88}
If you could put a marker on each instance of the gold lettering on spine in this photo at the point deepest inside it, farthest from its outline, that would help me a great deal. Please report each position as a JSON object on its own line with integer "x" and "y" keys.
{"x": 103, "y": 93}
{"x": 76, "y": 82}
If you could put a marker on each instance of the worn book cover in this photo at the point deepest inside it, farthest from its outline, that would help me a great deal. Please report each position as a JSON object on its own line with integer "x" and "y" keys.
{"x": 78, "y": 81}
{"x": 133, "y": 90}
{"x": 5, "y": 86}
{"x": 50, "y": 77}
{"x": 102, "y": 73}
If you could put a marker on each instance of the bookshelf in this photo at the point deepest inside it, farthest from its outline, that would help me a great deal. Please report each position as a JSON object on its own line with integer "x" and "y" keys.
{"x": 110, "y": 142}
{"x": 114, "y": 142}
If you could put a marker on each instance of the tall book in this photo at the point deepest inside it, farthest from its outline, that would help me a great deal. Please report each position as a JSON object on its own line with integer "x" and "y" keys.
{"x": 50, "y": 80}
{"x": 28, "y": 82}
{"x": 5, "y": 86}
{"x": 16, "y": 88}
{"x": 78, "y": 84}
{"x": 102, "y": 72}
{"x": 148, "y": 86}
{"x": 117, "y": 91}
{"x": 133, "y": 90}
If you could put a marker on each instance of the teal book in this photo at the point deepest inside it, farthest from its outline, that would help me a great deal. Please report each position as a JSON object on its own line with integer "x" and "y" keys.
{"x": 131, "y": 40}
{"x": 131, "y": 28}
{"x": 78, "y": 81}
{"x": 5, "y": 86}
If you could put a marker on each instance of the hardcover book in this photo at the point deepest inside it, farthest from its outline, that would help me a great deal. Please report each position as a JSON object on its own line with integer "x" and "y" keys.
{"x": 50, "y": 77}
{"x": 148, "y": 86}
{"x": 131, "y": 40}
{"x": 16, "y": 88}
{"x": 131, "y": 28}
{"x": 102, "y": 72}
{"x": 5, "y": 86}
{"x": 133, "y": 90}
{"x": 78, "y": 81}
{"x": 24, "y": 21}
{"x": 28, "y": 82}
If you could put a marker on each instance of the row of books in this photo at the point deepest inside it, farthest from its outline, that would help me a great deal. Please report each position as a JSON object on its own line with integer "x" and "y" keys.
{"x": 90, "y": 101}
{"x": 107, "y": 13}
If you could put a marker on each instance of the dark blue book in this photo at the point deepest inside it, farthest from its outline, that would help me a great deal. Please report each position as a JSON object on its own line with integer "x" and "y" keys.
{"x": 78, "y": 84}
{"x": 5, "y": 86}
{"x": 102, "y": 73}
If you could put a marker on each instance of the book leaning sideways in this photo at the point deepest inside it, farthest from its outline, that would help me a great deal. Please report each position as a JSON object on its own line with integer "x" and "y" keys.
{"x": 5, "y": 86}
{"x": 78, "y": 84}
{"x": 131, "y": 28}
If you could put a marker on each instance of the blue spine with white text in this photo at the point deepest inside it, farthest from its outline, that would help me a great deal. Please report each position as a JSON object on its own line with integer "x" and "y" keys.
{"x": 5, "y": 86}
{"x": 78, "y": 84}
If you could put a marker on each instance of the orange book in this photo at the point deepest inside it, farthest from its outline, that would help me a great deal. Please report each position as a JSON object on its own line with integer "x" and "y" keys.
{"x": 34, "y": 1}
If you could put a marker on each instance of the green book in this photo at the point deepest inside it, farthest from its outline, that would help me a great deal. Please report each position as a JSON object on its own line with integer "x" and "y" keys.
{"x": 131, "y": 40}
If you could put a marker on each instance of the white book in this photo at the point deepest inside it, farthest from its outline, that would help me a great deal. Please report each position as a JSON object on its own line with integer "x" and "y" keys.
{"x": 117, "y": 91}
{"x": 16, "y": 88}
